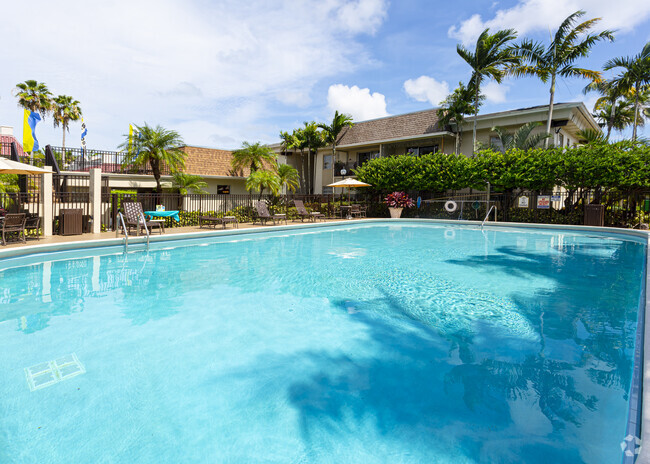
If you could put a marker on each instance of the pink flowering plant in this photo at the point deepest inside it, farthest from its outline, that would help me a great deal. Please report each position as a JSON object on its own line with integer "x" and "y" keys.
{"x": 399, "y": 200}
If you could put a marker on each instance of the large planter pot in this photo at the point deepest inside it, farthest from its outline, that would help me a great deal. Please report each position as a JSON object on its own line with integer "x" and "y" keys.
{"x": 395, "y": 212}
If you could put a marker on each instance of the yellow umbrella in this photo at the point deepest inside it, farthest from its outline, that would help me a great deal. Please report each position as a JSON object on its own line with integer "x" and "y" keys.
{"x": 349, "y": 182}
{"x": 14, "y": 167}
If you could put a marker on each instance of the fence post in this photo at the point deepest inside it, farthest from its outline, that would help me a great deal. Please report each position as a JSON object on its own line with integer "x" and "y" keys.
{"x": 95, "y": 188}
{"x": 46, "y": 201}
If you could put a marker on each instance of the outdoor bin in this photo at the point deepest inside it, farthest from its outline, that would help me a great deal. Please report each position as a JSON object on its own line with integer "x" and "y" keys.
{"x": 71, "y": 222}
{"x": 595, "y": 215}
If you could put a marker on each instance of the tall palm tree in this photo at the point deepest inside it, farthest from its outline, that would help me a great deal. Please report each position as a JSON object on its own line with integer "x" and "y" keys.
{"x": 313, "y": 140}
{"x": 614, "y": 116}
{"x": 261, "y": 179}
{"x": 295, "y": 140}
{"x": 332, "y": 131}
{"x": 453, "y": 110}
{"x": 636, "y": 73}
{"x": 34, "y": 96}
{"x": 570, "y": 42}
{"x": 253, "y": 156}
{"x": 610, "y": 101}
{"x": 288, "y": 176}
{"x": 156, "y": 147}
{"x": 489, "y": 60}
{"x": 522, "y": 138}
{"x": 64, "y": 110}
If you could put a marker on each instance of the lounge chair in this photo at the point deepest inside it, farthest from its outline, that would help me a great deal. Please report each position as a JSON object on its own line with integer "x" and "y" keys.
{"x": 13, "y": 223}
{"x": 134, "y": 217}
{"x": 214, "y": 221}
{"x": 263, "y": 214}
{"x": 303, "y": 213}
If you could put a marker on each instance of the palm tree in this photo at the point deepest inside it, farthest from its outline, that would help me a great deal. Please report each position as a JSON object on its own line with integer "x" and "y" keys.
{"x": 636, "y": 73}
{"x": 189, "y": 182}
{"x": 591, "y": 136}
{"x": 288, "y": 176}
{"x": 608, "y": 104}
{"x": 558, "y": 58}
{"x": 313, "y": 140}
{"x": 614, "y": 116}
{"x": 155, "y": 146}
{"x": 453, "y": 110}
{"x": 64, "y": 110}
{"x": 34, "y": 96}
{"x": 521, "y": 139}
{"x": 253, "y": 156}
{"x": 488, "y": 61}
{"x": 332, "y": 131}
{"x": 295, "y": 140}
{"x": 260, "y": 180}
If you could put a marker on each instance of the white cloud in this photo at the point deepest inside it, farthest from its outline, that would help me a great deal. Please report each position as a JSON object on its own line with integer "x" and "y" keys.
{"x": 494, "y": 92}
{"x": 170, "y": 62}
{"x": 540, "y": 15}
{"x": 358, "y": 103}
{"x": 426, "y": 88}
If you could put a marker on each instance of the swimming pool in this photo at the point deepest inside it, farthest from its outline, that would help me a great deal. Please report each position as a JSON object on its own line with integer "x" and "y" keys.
{"x": 379, "y": 342}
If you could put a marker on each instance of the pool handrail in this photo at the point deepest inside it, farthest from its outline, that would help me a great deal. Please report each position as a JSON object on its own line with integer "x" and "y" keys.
{"x": 493, "y": 207}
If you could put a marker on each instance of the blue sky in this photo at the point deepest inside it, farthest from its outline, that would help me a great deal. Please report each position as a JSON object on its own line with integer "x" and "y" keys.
{"x": 221, "y": 72}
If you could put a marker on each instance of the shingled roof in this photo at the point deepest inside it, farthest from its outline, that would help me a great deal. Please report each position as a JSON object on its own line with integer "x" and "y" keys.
{"x": 209, "y": 162}
{"x": 392, "y": 127}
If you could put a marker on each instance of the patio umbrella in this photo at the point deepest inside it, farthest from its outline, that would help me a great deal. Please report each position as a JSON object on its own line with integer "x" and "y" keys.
{"x": 14, "y": 167}
{"x": 349, "y": 182}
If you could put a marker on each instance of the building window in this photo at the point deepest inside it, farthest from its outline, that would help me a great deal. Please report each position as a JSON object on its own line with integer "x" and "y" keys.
{"x": 367, "y": 156}
{"x": 223, "y": 189}
{"x": 413, "y": 151}
{"x": 496, "y": 143}
{"x": 560, "y": 140}
{"x": 327, "y": 161}
{"x": 327, "y": 190}
{"x": 429, "y": 149}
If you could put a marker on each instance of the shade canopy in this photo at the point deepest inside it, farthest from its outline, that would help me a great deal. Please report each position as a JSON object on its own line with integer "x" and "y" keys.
{"x": 349, "y": 182}
{"x": 13, "y": 167}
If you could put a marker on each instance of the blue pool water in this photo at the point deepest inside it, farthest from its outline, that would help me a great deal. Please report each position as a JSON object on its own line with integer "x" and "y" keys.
{"x": 405, "y": 343}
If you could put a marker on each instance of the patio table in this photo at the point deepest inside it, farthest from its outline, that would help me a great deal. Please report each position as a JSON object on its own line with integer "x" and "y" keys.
{"x": 163, "y": 214}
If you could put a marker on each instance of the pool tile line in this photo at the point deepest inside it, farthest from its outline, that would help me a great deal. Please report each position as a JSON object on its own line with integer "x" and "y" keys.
{"x": 48, "y": 373}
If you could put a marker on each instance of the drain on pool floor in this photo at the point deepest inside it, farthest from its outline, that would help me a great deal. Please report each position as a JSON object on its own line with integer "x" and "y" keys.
{"x": 48, "y": 373}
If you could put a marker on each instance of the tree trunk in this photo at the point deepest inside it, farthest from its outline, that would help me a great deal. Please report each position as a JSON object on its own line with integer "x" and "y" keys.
{"x": 610, "y": 122}
{"x": 636, "y": 110}
{"x": 156, "y": 174}
{"x": 457, "y": 148}
{"x": 476, "y": 98}
{"x": 63, "y": 143}
{"x": 550, "y": 111}
{"x": 303, "y": 181}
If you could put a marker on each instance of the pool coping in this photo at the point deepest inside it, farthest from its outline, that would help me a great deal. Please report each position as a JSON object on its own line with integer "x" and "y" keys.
{"x": 640, "y": 389}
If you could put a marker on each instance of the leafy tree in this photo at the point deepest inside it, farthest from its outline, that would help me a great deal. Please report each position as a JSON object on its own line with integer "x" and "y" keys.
{"x": 186, "y": 183}
{"x": 635, "y": 74}
{"x": 453, "y": 110}
{"x": 288, "y": 176}
{"x": 155, "y": 146}
{"x": 489, "y": 60}
{"x": 260, "y": 180}
{"x": 331, "y": 132}
{"x": 64, "y": 110}
{"x": 253, "y": 156}
{"x": 34, "y": 96}
{"x": 570, "y": 43}
{"x": 521, "y": 139}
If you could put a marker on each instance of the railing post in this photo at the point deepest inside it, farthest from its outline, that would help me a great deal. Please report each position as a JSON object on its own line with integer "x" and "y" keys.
{"x": 95, "y": 186}
{"x": 46, "y": 201}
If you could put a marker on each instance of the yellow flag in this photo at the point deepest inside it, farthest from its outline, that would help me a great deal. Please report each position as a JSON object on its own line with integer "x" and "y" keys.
{"x": 28, "y": 138}
{"x": 130, "y": 137}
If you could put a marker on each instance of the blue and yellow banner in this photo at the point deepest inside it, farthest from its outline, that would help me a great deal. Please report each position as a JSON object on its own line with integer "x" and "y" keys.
{"x": 30, "y": 142}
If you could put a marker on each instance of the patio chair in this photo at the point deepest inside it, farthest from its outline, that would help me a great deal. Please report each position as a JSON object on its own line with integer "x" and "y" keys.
{"x": 263, "y": 214}
{"x": 303, "y": 213}
{"x": 358, "y": 211}
{"x": 214, "y": 221}
{"x": 134, "y": 215}
{"x": 13, "y": 223}
{"x": 33, "y": 222}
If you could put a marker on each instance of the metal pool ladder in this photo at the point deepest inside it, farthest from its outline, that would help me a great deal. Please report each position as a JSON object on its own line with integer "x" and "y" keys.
{"x": 126, "y": 233}
{"x": 493, "y": 207}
